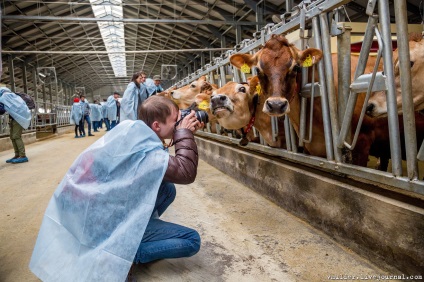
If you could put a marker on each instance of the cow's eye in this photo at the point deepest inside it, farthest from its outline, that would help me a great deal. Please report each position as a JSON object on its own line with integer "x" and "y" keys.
{"x": 242, "y": 89}
{"x": 192, "y": 86}
{"x": 412, "y": 64}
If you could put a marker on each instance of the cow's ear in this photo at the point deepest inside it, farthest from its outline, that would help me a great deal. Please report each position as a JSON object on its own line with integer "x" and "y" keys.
{"x": 309, "y": 57}
{"x": 238, "y": 60}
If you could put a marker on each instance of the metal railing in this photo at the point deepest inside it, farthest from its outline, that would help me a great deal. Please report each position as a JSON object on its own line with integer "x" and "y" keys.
{"x": 50, "y": 116}
{"x": 337, "y": 118}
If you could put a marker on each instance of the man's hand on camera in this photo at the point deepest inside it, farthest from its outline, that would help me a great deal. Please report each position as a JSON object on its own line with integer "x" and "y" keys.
{"x": 190, "y": 122}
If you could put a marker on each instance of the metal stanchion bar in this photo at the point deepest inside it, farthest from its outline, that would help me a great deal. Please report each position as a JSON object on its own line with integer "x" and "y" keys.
{"x": 324, "y": 97}
{"x": 329, "y": 78}
{"x": 384, "y": 13}
{"x": 406, "y": 86}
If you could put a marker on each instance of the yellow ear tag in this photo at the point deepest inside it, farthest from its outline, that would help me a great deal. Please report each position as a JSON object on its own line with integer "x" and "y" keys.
{"x": 204, "y": 105}
{"x": 307, "y": 62}
{"x": 258, "y": 89}
{"x": 245, "y": 68}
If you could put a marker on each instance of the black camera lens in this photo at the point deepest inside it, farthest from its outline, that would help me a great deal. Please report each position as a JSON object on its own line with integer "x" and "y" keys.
{"x": 201, "y": 116}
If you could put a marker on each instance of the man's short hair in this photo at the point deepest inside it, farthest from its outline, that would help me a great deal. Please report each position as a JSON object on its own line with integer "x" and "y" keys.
{"x": 117, "y": 93}
{"x": 82, "y": 96}
{"x": 156, "y": 108}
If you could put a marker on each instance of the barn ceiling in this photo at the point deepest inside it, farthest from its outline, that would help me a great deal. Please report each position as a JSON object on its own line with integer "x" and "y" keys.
{"x": 66, "y": 35}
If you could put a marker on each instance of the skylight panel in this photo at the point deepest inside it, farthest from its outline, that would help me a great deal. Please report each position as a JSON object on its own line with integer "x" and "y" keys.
{"x": 112, "y": 32}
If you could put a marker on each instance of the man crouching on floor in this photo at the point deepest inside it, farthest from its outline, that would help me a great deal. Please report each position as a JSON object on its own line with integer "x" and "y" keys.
{"x": 104, "y": 215}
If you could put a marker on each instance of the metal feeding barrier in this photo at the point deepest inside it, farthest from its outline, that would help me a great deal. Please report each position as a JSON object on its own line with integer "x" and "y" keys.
{"x": 337, "y": 113}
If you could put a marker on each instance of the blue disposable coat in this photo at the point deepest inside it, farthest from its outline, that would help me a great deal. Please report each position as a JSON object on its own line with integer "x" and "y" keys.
{"x": 16, "y": 107}
{"x": 76, "y": 113}
{"x": 151, "y": 87}
{"x": 96, "y": 112}
{"x": 133, "y": 96}
{"x": 104, "y": 109}
{"x": 112, "y": 109}
{"x": 97, "y": 216}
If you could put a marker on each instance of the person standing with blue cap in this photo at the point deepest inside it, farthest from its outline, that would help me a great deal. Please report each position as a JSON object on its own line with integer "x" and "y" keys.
{"x": 20, "y": 119}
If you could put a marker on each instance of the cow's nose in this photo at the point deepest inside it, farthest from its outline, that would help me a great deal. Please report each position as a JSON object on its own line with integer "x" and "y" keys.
{"x": 370, "y": 108}
{"x": 218, "y": 99}
{"x": 278, "y": 107}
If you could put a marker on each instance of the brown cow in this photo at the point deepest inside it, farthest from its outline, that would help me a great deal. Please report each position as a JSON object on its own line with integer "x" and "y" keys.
{"x": 237, "y": 106}
{"x": 278, "y": 65}
{"x": 185, "y": 95}
{"x": 202, "y": 101}
{"x": 377, "y": 105}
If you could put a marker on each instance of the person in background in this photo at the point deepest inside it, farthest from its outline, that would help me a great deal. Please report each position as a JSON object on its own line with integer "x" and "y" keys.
{"x": 86, "y": 110}
{"x": 134, "y": 95}
{"x": 95, "y": 115}
{"x": 112, "y": 109}
{"x": 105, "y": 212}
{"x": 104, "y": 114}
{"x": 19, "y": 119}
{"x": 76, "y": 117}
{"x": 153, "y": 86}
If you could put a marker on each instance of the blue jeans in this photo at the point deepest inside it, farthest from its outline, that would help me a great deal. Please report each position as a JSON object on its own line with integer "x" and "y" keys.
{"x": 87, "y": 118}
{"x": 113, "y": 124}
{"x": 107, "y": 123}
{"x": 162, "y": 239}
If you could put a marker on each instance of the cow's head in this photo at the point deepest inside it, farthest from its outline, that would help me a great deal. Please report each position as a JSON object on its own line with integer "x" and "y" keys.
{"x": 185, "y": 95}
{"x": 278, "y": 64}
{"x": 377, "y": 104}
{"x": 230, "y": 105}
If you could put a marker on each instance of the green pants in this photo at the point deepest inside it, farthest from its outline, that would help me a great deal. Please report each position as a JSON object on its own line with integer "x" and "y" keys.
{"x": 16, "y": 137}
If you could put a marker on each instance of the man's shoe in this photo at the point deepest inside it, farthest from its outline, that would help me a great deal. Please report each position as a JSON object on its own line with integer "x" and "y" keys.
{"x": 91, "y": 134}
{"x": 76, "y": 136}
{"x": 19, "y": 160}
{"x": 10, "y": 160}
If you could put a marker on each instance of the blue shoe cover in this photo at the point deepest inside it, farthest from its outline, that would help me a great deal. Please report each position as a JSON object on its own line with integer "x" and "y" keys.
{"x": 19, "y": 160}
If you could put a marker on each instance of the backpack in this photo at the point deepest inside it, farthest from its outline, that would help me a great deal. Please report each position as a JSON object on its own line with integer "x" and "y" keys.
{"x": 27, "y": 99}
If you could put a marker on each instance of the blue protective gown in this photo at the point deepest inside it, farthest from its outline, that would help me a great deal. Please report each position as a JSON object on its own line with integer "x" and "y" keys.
{"x": 16, "y": 107}
{"x": 112, "y": 109}
{"x": 133, "y": 96}
{"x": 97, "y": 216}
{"x": 96, "y": 112}
{"x": 152, "y": 88}
{"x": 76, "y": 113}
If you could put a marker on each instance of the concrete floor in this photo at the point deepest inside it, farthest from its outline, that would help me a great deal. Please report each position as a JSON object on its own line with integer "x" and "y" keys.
{"x": 244, "y": 236}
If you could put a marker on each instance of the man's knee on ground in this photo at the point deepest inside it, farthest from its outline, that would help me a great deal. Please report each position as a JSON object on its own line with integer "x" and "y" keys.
{"x": 195, "y": 243}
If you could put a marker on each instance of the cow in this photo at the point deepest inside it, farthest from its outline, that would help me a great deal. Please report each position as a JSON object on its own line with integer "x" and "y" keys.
{"x": 185, "y": 96}
{"x": 202, "y": 101}
{"x": 377, "y": 104}
{"x": 237, "y": 106}
{"x": 278, "y": 66}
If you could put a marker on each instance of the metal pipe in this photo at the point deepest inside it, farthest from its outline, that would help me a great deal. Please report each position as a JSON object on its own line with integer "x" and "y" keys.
{"x": 384, "y": 13}
{"x": 287, "y": 132}
{"x": 324, "y": 98}
{"x": 274, "y": 128}
{"x": 406, "y": 87}
{"x": 119, "y": 20}
{"x": 303, "y": 100}
{"x": 292, "y": 137}
{"x": 110, "y": 52}
{"x": 329, "y": 77}
{"x": 344, "y": 69}
{"x": 360, "y": 68}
